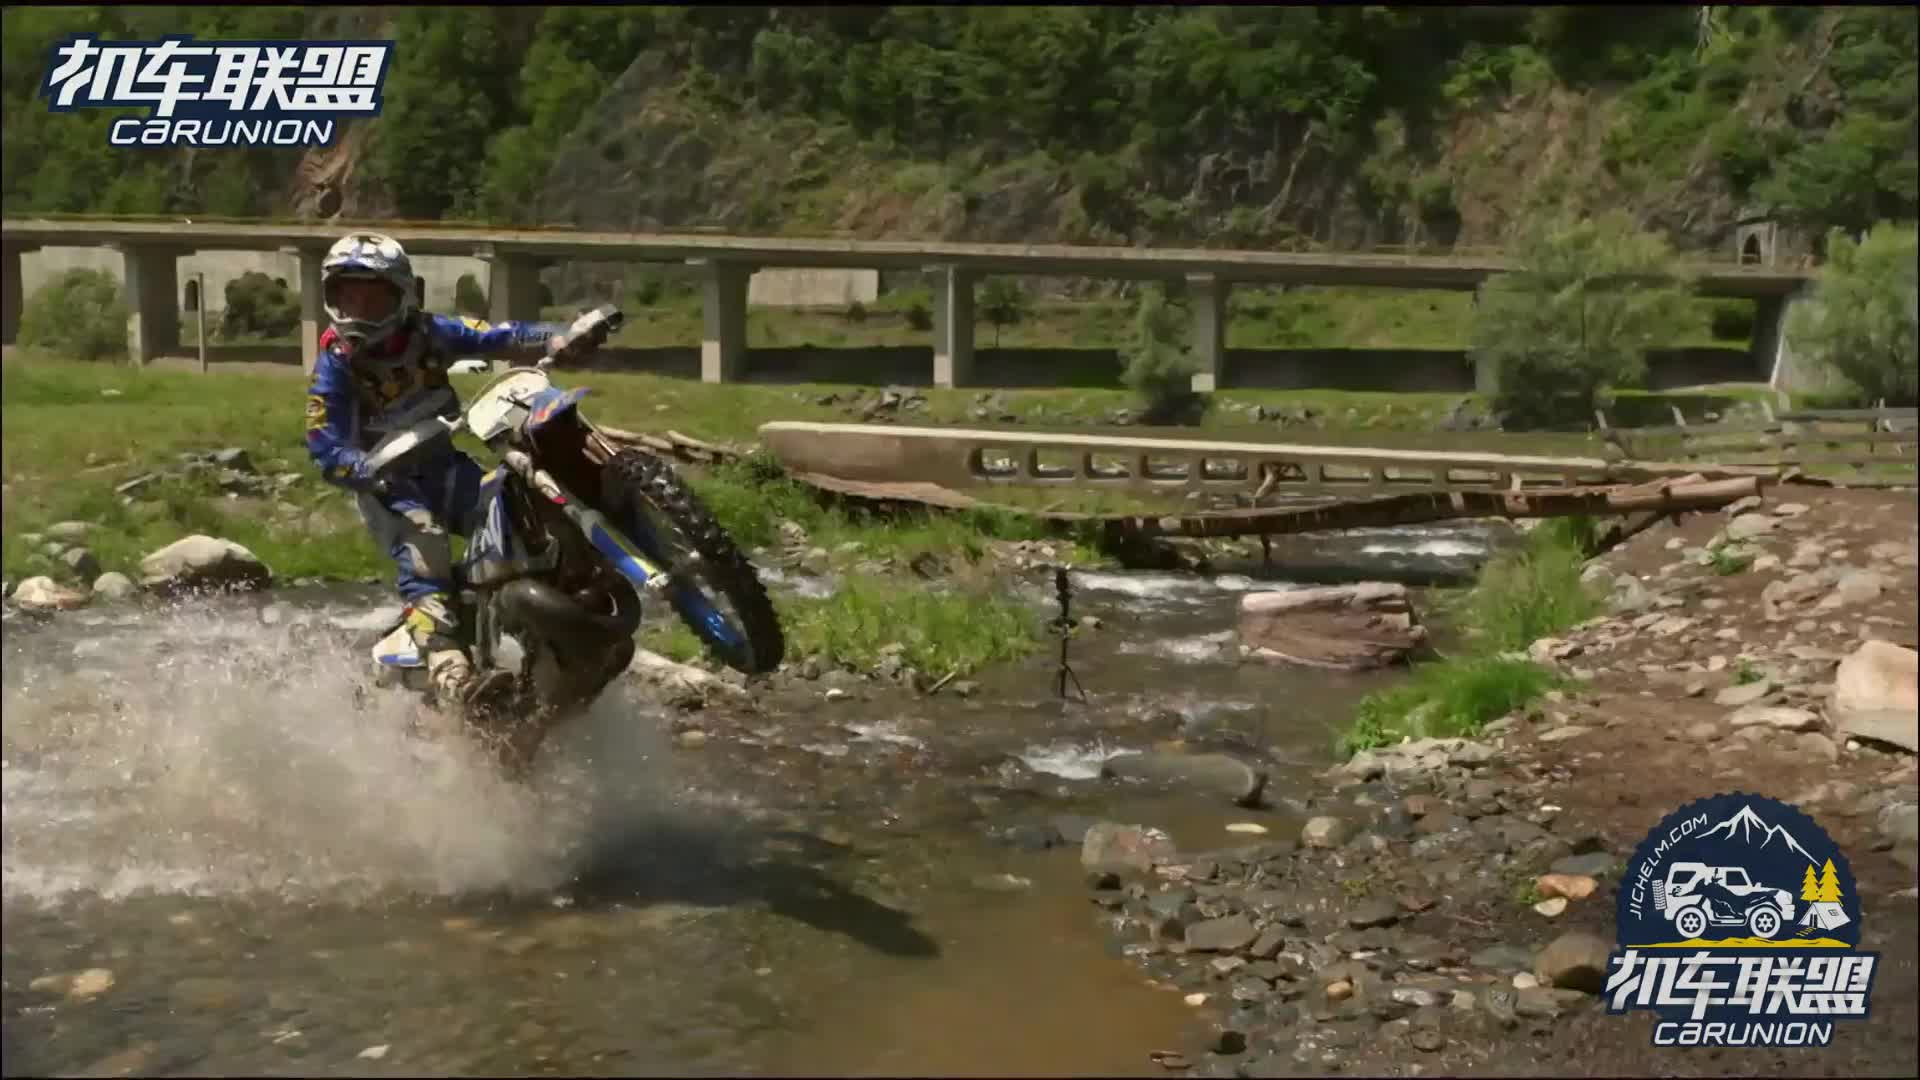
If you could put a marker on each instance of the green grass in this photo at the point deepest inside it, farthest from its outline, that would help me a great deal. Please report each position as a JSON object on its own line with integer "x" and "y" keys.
{"x": 1531, "y": 592}
{"x": 960, "y": 629}
{"x": 1534, "y": 591}
{"x": 1449, "y": 699}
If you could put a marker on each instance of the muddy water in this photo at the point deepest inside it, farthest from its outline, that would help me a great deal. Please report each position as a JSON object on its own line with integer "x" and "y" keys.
{"x": 211, "y": 805}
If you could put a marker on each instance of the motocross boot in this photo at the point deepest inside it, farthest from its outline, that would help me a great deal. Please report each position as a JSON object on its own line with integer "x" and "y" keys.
{"x": 435, "y": 631}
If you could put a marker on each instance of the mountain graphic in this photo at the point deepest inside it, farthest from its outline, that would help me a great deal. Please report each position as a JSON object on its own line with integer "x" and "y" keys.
{"x": 1746, "y": 825}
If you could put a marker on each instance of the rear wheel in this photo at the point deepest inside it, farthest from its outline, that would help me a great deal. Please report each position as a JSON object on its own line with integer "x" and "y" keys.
{"x": 710, "y": 575}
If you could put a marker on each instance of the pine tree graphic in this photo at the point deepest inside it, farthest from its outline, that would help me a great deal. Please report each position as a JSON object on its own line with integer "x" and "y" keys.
{"x": 1829, "y": 884}
{"x": 1810, "y": 888}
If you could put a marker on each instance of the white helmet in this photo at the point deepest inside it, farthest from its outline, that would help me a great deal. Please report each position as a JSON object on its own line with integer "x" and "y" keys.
{"x": 376, "y": 257}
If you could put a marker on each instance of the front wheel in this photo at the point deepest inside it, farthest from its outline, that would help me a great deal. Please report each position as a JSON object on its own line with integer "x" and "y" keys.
{"x": 707, "y": 566}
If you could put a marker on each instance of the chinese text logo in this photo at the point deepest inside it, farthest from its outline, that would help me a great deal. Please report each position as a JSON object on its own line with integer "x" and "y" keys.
{"x": 1739, "y": 926}
{"x": 227, "y": 93}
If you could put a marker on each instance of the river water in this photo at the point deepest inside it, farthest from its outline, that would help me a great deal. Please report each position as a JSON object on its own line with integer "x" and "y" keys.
{"x": 224, "y": 855}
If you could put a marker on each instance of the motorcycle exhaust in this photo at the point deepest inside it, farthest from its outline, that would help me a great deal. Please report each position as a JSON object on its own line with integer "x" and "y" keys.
{"x": 553, "y": 614}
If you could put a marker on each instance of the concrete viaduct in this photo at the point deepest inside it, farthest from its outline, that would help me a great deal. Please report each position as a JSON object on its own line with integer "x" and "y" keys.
{"x": 515, "y": 257}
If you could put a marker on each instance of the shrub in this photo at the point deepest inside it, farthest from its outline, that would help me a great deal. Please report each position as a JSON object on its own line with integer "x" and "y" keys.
{"x": 1577, "y": 315}
{"x": 1159, "y": 366}
{"x": 1862, "y": 322}
{"x": 919, "y": 316}
{"x": 469, "y": 298}
{"x": 257, "y": 307}
{"x": 78, "y": 314}
{"x": 1004, "y": 303}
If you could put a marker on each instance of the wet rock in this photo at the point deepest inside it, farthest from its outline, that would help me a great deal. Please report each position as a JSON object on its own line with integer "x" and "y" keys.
{"x": 1749, "y": 526}
{"x": 1575, "y": 960}
{"x": 683, "y": 684}
{"x": 374, "y": 1053}
{"x": 1231, "y": 934}
{"x": 113, "y": 586}
{"x": 1125, "y": 849}
{"x": 1876, "y": 695}
{"x": 45, "y": 594}
{"x": 1426, "y": 1039}
{"x": 1536, "y": 1003}
{"x": 1551, "y": 908}
{"x": 1267, "y": 945}
{"x": 1348, "y": 627}
{"x": 1370, "y": 913}
{"x": 1339, "y": 990}
{"x": 203, "y": 562}
{"x": 1779, "y": 717}
{"x": 76, "y": 984}
{"x": 1324, "y": 832}
{"x": 1214, "y": 773}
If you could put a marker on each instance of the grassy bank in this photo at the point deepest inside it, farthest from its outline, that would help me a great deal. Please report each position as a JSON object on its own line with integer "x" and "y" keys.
{"x": 73, "y": 432}
{"x": 1522, "y": 595}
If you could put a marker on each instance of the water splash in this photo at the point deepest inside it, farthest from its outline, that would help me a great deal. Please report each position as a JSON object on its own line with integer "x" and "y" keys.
{"x": 201, "y": 752}
{"x": 1070, "y": 760}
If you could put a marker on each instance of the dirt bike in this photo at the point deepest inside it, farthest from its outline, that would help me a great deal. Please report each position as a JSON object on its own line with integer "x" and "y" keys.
{"x": 570, "y": 533}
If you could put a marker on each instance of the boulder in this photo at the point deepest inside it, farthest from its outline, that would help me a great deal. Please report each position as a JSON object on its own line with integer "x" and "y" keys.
{"x": 1218, "y": 773}
{"x": 1747, "y": 526}
{"x": 1574, "y": 961}
{"x": 45, "y": 594}
{"x": 1125, "y": 849}
{"x": 1347, "y": 627}
{"x": 1324, "y": 832}
{"x": 113, "y": 586}
{"x": 203, "y": 562}
{"x": 73, "y": 532}
{"x": 1875, "y": 695}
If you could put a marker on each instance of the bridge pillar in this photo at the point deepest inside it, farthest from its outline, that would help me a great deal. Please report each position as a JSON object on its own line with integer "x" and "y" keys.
{"x": 1207, "y": 301}
{"x": 151, "y": 280}
{"x": 313, "y": 313}
{"x": 952, "y": 326}
{"x": 723, "y": 311}
{"x": 513, "y": 290}
{"x": 12, "y": 291}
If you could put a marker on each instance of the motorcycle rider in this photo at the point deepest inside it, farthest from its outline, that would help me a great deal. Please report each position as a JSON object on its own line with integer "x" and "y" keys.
{"x": 383, "y": 368}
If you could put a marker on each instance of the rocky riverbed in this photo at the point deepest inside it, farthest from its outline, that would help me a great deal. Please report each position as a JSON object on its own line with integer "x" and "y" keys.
{"x": 1438, "y": 908}
{"x": 1448, "y": 906}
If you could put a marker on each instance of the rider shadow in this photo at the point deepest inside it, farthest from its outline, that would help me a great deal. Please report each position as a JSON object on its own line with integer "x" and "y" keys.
{"x": 715, "y": 865}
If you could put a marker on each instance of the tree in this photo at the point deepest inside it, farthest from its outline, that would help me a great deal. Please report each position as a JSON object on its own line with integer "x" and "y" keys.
{"x": 1160, "y": 366}
{"x": 1862, "y": 321}
{"x": 1810, "y": 887}
{"x": 1004, "y": 303}
{"x": 469, "y": 298}
{"x": 1575, "y": 318}
{"x": 78, "y": 314}
{"x": 1829, "y": 885}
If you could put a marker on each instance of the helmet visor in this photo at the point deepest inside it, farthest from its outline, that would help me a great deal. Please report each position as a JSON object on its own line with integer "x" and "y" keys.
{"x": 363, "y": 298}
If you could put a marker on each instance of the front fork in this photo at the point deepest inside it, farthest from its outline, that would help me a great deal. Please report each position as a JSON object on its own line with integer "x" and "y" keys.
{"x": 647, "y": 575}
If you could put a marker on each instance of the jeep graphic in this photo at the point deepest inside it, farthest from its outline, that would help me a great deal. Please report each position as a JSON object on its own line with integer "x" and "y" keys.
{"x": 1695, "y": 896}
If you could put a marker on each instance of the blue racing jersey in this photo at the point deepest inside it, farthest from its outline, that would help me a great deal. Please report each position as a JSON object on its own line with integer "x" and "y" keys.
{"x": 353, "y": 402}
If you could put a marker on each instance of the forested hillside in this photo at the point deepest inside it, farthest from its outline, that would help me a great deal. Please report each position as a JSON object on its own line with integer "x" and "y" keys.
{"x": 1243, "y": 125}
